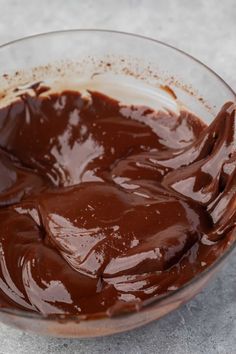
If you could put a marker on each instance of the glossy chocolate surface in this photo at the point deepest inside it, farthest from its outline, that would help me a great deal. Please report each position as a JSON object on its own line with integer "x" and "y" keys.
{"x": 105, "y": 206}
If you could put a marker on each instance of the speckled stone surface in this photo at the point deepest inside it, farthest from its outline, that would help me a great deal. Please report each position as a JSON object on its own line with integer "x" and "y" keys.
{"x": 207, "y": 30}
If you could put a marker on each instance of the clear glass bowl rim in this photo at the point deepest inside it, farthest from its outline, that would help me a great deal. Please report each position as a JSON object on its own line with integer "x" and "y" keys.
{"x": 214, "y": 265}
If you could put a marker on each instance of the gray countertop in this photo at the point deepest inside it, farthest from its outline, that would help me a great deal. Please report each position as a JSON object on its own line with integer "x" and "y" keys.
{"x": 207, "y": 30}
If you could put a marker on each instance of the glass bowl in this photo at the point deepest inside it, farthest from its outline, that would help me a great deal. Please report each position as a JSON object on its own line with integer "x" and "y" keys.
{"x": 132, "y": 68}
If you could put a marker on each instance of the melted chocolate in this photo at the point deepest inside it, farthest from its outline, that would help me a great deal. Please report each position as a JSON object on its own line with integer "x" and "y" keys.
{"x": 105, "y": 206}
